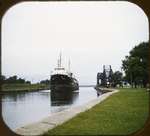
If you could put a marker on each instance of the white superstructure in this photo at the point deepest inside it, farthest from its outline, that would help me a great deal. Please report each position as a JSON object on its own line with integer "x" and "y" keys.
{"x": 61, "y": 70}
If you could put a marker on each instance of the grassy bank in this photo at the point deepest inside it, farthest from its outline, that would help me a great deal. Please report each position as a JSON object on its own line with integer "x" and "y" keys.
{"x": 122, "y": 113}
{"x": 24, "y": 87}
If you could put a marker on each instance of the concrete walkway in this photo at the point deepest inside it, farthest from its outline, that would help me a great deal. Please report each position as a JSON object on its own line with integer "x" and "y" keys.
{"x": 55, "y": 119}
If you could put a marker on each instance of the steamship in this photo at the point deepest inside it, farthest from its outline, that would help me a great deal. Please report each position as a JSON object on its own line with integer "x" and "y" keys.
{"x": 62, "y": 79}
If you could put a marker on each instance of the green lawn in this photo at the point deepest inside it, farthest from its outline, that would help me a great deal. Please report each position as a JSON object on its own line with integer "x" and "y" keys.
{"x": 122, "y": 113}
{"x": 24, "y": 87}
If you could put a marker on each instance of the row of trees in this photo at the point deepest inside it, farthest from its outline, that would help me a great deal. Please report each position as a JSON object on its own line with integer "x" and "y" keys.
{"x": 13, "y": 80}
{"x": 45, "y": 82}
{"x": 136, "y": 66}
{"x": 117, "y": 78}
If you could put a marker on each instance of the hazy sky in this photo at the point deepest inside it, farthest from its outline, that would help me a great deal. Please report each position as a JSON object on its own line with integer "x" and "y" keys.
{"x": 90, "y": 34}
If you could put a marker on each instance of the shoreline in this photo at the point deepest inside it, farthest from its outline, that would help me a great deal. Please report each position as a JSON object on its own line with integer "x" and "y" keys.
{"x": 119, "y": 112}
{"x": 40, "y": 127}
{"x": 17, "y": 88}
{"x": 103, "y": 90}
{"x": 22, "y": 91}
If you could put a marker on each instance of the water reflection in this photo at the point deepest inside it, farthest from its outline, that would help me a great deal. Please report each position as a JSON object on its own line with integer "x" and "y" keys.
{"x": 99, "y": 93}
{"x": 63, "y": 98}
{"x": 13, "y": 96}
{"x": 21, "y": 108}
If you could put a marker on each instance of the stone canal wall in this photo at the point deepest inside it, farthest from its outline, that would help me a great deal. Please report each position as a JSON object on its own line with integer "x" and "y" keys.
{"x": 55, "y": 119}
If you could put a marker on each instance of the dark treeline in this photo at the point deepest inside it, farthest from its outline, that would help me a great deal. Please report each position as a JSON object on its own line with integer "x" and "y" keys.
{"x": 13, "y": 80}
{"x": 45, "y": 82}
{"x": 16, "y": 80}
{"x": 136, "y": 66}
{"x": 117, "y": 78}
{"x": 136, "y": 69}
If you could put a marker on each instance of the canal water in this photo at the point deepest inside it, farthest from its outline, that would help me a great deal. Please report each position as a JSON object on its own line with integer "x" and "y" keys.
{"x": 19, "y": 109}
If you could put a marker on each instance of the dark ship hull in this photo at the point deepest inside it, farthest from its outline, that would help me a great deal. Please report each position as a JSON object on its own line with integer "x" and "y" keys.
{"x": 65, "y": 98}
{"x": 60, "y": 83}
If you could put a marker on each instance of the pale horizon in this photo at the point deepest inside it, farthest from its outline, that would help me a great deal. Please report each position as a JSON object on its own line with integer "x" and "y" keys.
{"x": 90, "y": 34}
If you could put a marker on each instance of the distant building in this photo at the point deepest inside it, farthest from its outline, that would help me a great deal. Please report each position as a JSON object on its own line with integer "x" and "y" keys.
{"x": 105, "y": 78}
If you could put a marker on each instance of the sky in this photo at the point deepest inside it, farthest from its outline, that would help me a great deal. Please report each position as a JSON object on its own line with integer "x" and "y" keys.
{"x": 90, "y": 34}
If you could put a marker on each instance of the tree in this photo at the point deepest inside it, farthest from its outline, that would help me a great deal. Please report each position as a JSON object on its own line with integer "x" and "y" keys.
{"x": 117, "y": 78}
{"x": 2, "y": 79}
{"x": 13, "y": 80}
{"x": 136, "y": 65}
{"x": 28, "y": 82}
{"x": 20, "y": 81}
{"x": 45, "y": 81}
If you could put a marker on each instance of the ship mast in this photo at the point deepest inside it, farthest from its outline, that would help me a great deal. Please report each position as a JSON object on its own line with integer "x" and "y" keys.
{"x": 69, "y": 65}
{"x": 59, "y": 61}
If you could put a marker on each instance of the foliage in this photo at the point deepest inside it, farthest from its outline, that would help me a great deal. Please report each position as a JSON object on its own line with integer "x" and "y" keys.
{"x": 117, "y": 78}
{"x": 136, "y": 65}
{"x": 45, "y": 81}
{"x": 13, "y": 80}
